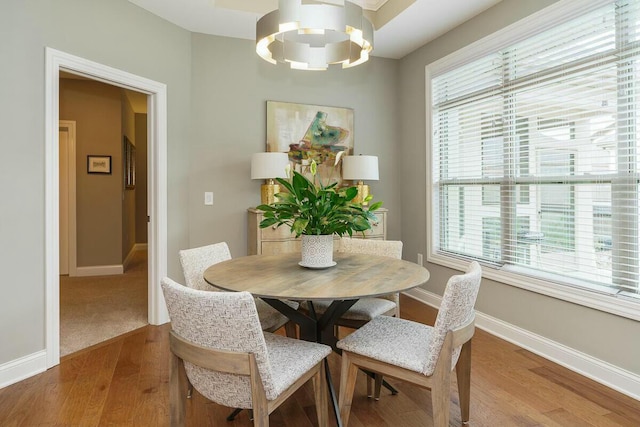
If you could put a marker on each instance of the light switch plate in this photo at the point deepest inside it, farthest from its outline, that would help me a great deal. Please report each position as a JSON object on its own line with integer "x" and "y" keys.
{"x": 208, "y": 198}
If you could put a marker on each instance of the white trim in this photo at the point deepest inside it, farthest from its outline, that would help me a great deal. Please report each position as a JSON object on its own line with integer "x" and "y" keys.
{"x": 127, "y": 260}
{"x": 619, "y": 379}
{"x": 70, "y": 125}
{"x": 100, "y": 270}
{"x": 628, "y": 308}
{"x": 24, "y": 367}
{"x": 135, "y": 248}
{"x": 51, "y": 196}
{"x": 157, "y": 202}
{"x": 140, "y": 247}
{"x": 533, "y": 24}
{"x": 157, "y": 195}
{"x": 537, "y": 22}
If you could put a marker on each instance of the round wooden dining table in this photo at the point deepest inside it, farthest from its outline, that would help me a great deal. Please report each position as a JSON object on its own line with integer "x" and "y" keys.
{"x": 276, "y": 277}
{"x": 280, "y": 276}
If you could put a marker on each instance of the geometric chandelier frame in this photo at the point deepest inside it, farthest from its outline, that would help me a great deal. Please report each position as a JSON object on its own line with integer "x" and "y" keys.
{"x": 311, "y": 36}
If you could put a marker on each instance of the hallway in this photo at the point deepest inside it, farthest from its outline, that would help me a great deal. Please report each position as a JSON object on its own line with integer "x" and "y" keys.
{"x": 94, "y": 309}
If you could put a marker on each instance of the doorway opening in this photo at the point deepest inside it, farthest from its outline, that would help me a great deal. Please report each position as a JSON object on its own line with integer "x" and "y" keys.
{"x": 103, "y": 212}
{"x": 57, "y": 61}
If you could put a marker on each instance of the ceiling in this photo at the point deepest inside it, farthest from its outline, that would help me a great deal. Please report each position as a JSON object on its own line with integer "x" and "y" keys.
{"x": 402, "y": 26}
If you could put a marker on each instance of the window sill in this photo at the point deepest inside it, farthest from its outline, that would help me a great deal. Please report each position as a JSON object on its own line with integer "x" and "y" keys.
{"x": 619, "y": 305}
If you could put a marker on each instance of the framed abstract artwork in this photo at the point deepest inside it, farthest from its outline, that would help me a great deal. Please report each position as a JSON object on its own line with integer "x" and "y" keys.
{"x": 311, "y": 132}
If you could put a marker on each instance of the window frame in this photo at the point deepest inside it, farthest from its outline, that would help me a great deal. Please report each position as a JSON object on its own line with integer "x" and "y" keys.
{"x": 574, "y": 291}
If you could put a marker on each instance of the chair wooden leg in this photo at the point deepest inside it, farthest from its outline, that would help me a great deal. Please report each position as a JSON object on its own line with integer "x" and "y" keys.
{"x": 261, "y": 419}
{"x": 177, "y": 396}
{"x": 369, "y": 386}
{"x": 258, "y": 396}
{"x": 189, "y": 389}
{"x": 348, "y": 375}
{"x": 440, "y": 402}
{"x": 320, "y": 392}
{"x": 463, "y": 374}
{"x": 377, "y": 387}
{"x": 440, "y": 399}
{"x": 291, "y": 330}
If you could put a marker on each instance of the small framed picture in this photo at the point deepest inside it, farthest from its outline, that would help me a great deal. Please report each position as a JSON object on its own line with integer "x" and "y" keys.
{"x": 99, "y": 164}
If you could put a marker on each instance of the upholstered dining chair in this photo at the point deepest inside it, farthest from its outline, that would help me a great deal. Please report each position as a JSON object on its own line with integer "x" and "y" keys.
{"x": 196, "y": 260}
{"x": 368, "y": 308}
{"x": 417, "y": 353}
{"x": 218, "y": 344}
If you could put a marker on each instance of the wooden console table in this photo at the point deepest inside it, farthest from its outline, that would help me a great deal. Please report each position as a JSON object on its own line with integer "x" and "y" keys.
{"x": 273, "y": 241}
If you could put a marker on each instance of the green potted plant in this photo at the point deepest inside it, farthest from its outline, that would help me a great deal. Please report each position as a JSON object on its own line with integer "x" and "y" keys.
{"x": 317, "y": 212}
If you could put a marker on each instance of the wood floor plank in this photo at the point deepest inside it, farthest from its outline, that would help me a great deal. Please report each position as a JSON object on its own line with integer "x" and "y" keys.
{"x": 74, "y": 406}
{"x": 15, "y": 400}
{"x": 122, "y": 397}
{"x": 617, "y": 403}
{"x": 567, "y": 419}
{"x": 125, "y": 383}
{"x": 53, "y": 393}
{"x": 12, "y": 398}
{"x": 154, "y": 373}
{"x": 107, "y": 357}
{"x": 292, "y": 414}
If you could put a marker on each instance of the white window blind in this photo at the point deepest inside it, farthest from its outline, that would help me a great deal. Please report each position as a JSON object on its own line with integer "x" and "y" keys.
{"x": 535, "y": 163}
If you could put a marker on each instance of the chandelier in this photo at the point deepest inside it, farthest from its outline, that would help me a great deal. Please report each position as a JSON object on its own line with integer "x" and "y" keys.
{"x": 312, "y": 35}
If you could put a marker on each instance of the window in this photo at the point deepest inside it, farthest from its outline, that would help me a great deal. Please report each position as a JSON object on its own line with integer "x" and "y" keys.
{"x": 534, "y": 143}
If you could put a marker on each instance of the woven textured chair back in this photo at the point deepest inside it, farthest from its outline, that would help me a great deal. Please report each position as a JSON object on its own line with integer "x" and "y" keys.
{"x": 223, "y": 321}
{"x": 196, "y": 260}
{"x": 455, "y": 311}
{"x": 390, "y": 248}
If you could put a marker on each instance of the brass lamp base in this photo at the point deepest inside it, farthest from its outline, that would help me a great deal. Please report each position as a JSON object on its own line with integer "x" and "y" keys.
{"x": 268, "y": 191}
{"x": 363, "y": 193}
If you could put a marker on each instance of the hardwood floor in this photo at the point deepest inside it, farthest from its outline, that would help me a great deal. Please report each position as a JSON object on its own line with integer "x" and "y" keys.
{"x": 124, "y": 382}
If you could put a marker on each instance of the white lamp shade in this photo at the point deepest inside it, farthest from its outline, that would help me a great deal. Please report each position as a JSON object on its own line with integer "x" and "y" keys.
{"x": 360, "y": 168}
{"x": 269, "y": 165}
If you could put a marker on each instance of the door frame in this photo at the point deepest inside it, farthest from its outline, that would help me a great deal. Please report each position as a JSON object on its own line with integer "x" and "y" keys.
{"x": 70, "y": 125}
{"x": 55, "y": 61}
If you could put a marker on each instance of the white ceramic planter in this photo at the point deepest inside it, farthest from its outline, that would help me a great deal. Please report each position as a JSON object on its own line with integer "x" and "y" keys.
{"x": 317, "y": 251}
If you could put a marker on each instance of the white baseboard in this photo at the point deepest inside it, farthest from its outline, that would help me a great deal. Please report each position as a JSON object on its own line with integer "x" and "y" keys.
{"x": 22, "y": 368}
{"x": 598, "y": 370}
{"x": 127, "y": 260}
{"x": 100, "y": 270}
{"x": 135, "y": 248}
{"x": 141, "y": 247}
{"x": 110, "y": 270}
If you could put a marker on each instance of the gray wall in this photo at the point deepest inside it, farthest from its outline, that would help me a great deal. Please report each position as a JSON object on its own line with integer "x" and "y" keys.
{"x": 604, "y": 336}
{"x": 115, "y": 33}
{"x": 230, "y": 87}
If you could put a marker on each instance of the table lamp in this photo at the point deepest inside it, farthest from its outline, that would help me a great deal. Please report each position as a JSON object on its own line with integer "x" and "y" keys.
{"x": 268, "y": 166}
{"x": 360, "y": 168}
